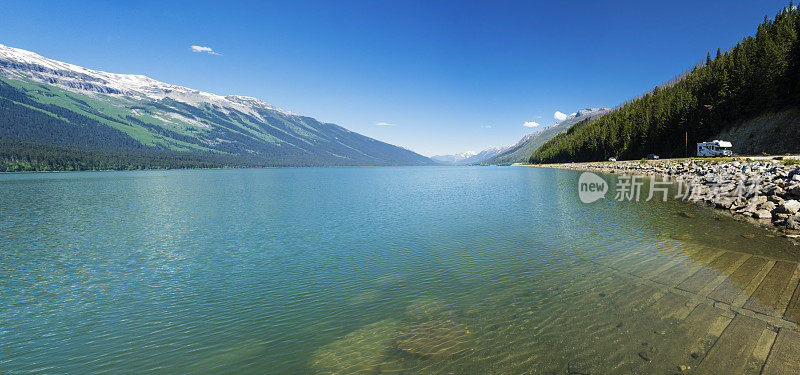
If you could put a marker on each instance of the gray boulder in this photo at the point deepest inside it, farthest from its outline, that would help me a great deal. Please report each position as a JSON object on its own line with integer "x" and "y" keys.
{"x": 724, "y": 203}
{"x": 773, "y": 190}
{"x": 789, "y": 207}
{"x": 793, "y": 223}
{"x": 767, "y": 206}
{"x": 777, "y": 200}
{"x": 762, "y": 214}
{"x": 759, "y": 199}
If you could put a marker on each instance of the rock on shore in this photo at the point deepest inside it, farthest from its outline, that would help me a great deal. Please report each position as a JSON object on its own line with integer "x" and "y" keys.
{"x": 766, "y": 190}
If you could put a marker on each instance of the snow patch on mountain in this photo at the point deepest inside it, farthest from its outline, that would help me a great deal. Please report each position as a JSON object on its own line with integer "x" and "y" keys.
{"x": 521, "y": 151}
{"x": 19, "y": 63}
{"x": 470, "y": 157}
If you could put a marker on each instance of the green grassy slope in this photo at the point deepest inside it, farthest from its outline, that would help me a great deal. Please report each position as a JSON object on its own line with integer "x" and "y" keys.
{"x": 34, "y": 113}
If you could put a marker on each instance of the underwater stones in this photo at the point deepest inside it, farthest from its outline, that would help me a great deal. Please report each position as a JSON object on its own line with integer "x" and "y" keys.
{"x": 686, "y": 214}
{"x": 362, "y": 350}
{"x": 426, "y": 308}
{"x": 681, "y": 237}
{"x": 577, "y": 367}
{"x": 365, "y": 297}
{"x": 221, "y": 357}
{"x": 435, "y": 339}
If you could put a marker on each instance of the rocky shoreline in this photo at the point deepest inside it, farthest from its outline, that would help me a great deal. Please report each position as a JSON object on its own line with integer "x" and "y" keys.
{"x": 764, "y": 191}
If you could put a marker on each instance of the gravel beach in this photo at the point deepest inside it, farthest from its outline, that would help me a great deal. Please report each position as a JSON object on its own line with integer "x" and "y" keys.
{"x": 766, "y": 190}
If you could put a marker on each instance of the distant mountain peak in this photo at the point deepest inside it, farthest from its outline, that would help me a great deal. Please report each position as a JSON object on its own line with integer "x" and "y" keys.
{"x": 589, "y": 112}
{"x": 521, "y": 151}
{"x": 469, "y": 157}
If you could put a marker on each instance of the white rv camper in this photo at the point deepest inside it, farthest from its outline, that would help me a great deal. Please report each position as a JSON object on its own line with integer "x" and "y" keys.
{"x": 714, "y": 148}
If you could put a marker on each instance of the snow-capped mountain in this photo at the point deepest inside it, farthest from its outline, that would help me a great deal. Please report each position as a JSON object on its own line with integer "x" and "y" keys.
{"x": 470, "y": 157}
{"x": 454, "y": 159}
{"x": 522, "y": 149}
{"x": 19, "y": 63}
{"x": 119, "y": 108}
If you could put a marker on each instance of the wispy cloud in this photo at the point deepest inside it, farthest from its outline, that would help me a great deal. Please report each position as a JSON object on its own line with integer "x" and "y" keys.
{"x": 531, "y": 124}
{"x": 383, "y": 123}
{"x": 486, "y": 126}
{"x": 560, "y": 116}
{"x": 204, "y": 49}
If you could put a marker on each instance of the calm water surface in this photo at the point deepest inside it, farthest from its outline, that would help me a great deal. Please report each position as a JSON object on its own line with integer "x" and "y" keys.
{"x": 346, "y": 270}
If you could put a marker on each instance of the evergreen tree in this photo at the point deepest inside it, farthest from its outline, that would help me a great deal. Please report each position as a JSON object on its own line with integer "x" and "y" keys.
{"x": 761, "y": 73}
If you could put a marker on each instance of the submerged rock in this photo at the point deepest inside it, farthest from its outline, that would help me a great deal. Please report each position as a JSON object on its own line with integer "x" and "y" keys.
{"x": 577, "y": 367}
{"x": 438, "y": 339}
{"x": 425, "y": 308}
{"x": 362, "y": 350}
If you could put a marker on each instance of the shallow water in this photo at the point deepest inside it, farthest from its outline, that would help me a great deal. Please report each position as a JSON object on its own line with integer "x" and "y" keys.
{"x": 348, "y": 270}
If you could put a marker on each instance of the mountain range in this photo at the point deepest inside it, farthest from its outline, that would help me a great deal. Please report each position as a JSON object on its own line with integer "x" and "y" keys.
{"x": 55, "y": 115}
{"x": 521, "y": 151}
{"x": 469, "y": 157}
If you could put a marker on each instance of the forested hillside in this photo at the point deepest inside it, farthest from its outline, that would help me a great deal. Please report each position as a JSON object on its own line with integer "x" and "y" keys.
{"x": 521, "y": 151}
{"x": 761, "y": 74}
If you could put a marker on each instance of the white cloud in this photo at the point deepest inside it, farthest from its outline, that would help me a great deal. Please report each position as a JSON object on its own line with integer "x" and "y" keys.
{"x": 531, "y": 124}
{"x": 559, "y": 116}
{"x": 486, "y": 126}
{"x": 383, "y": 123}
{"x": 203, "y": 49}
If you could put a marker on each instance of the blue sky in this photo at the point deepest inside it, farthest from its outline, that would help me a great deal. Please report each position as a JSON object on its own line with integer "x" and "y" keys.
{"x": 448, "y": 76}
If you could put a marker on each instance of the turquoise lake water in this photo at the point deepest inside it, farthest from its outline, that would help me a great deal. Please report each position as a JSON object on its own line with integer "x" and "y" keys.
{"x": 339, "y": 270}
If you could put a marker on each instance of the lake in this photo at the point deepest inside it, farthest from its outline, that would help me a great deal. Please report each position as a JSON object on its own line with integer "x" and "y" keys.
{"x": 364, "y": 270}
